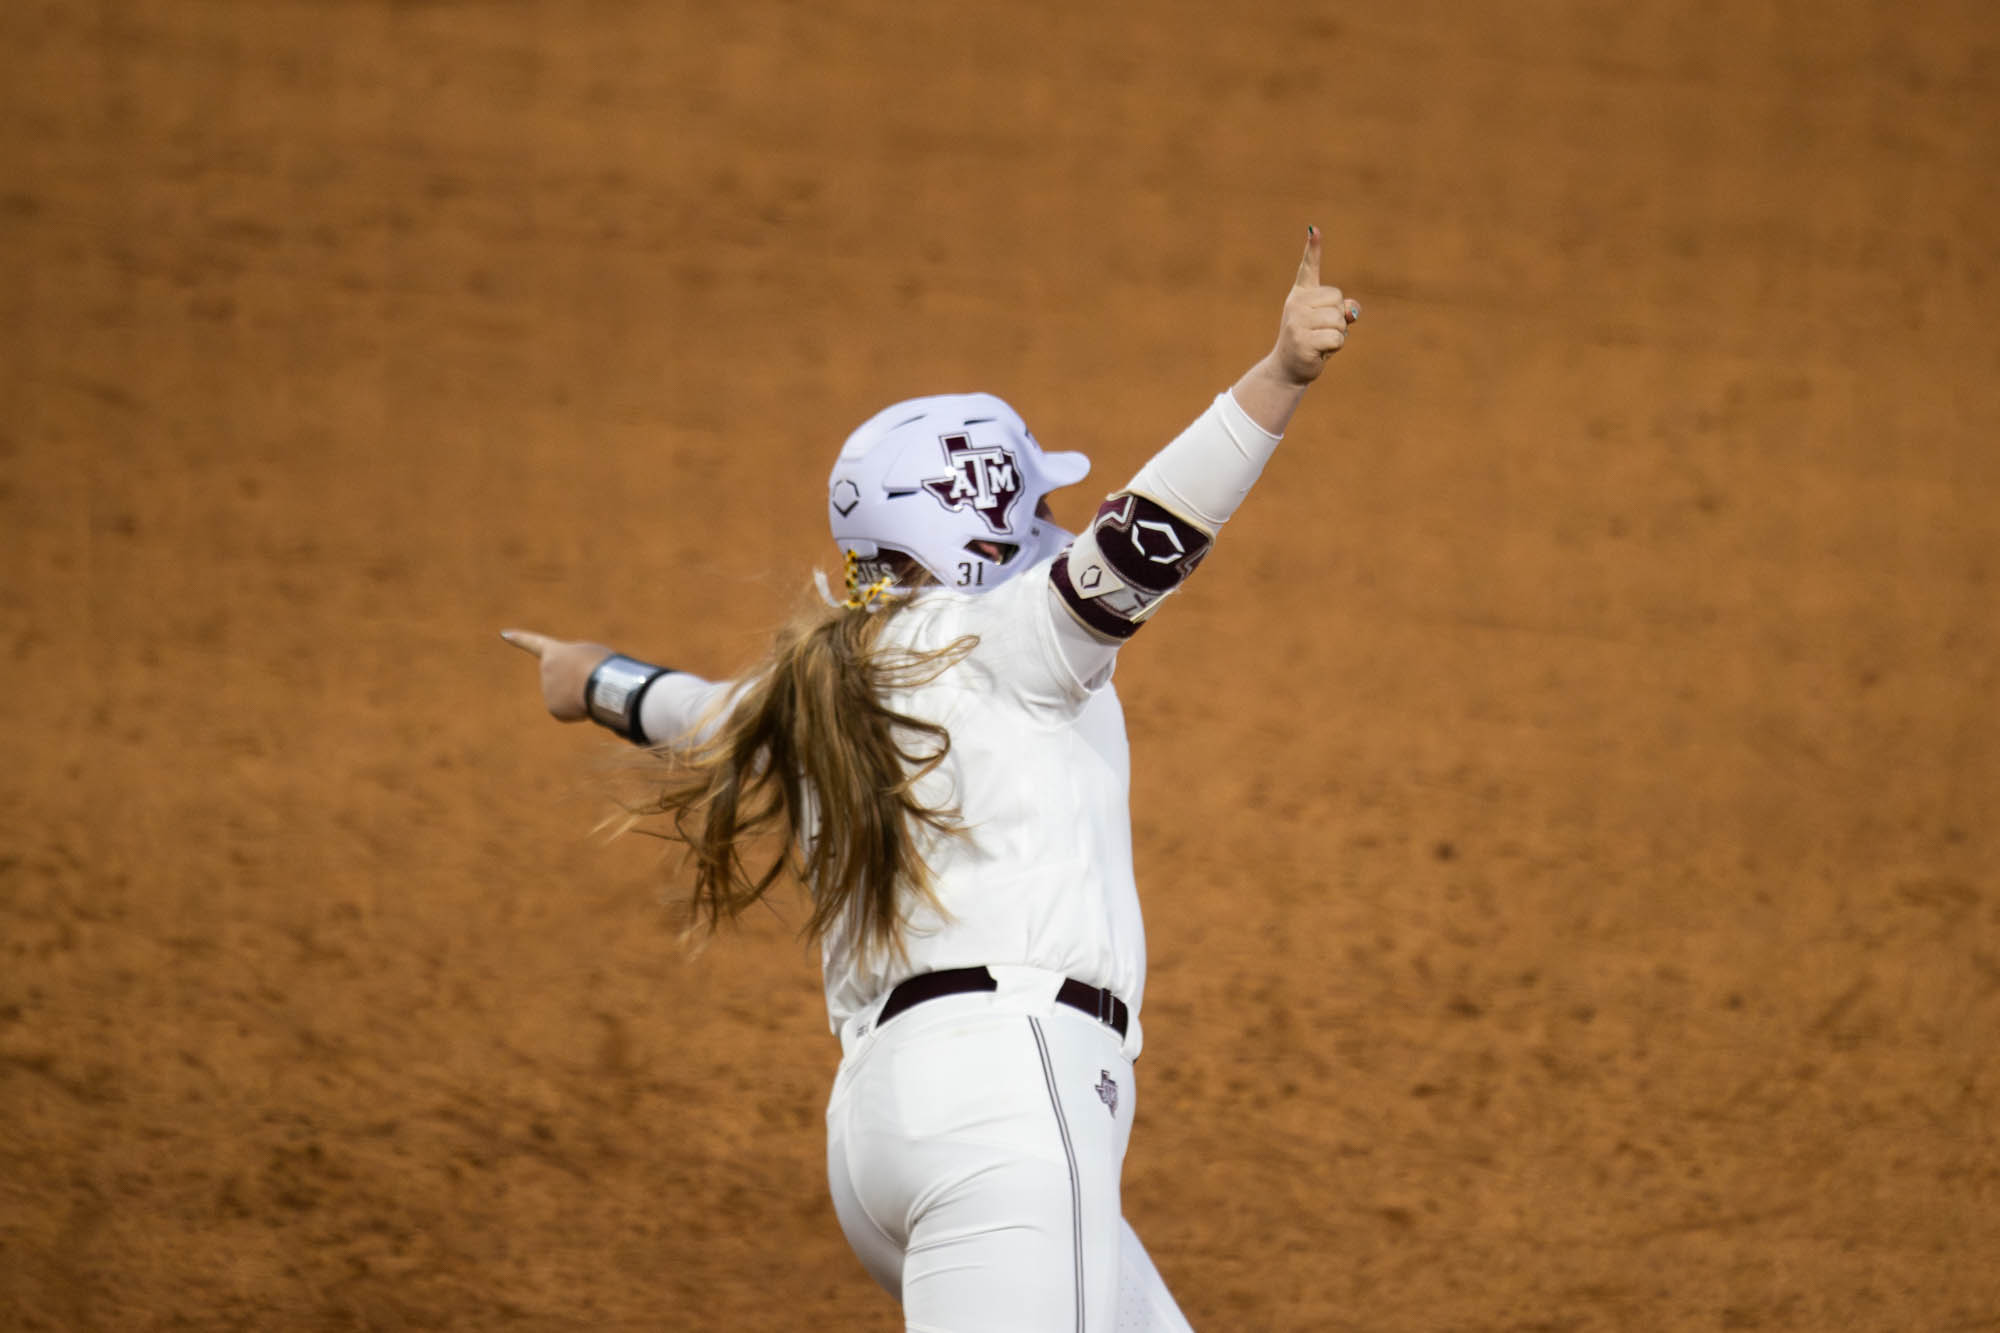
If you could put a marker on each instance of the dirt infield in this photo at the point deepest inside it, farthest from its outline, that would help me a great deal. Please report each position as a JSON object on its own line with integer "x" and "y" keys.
{"x": 1565, "y": 806}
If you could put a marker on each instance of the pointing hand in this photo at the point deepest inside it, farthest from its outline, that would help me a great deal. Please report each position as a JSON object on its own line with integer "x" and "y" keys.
{"x": 566, "y": 668}
{"x": 1315, "y": 321}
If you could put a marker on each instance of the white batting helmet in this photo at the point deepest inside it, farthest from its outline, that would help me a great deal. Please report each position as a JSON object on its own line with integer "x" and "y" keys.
{"x": 953, "y": 482}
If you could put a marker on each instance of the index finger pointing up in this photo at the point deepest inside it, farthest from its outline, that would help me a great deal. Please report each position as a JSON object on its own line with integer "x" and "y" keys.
{"x": 1309, "y": 265}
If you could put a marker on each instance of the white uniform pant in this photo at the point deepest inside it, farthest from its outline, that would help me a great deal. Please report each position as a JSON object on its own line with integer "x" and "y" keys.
{"x": 974, "y": 1148}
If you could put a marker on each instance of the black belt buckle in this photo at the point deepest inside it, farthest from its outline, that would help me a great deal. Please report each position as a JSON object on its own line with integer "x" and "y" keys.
{"x": 1097, "y": 1001}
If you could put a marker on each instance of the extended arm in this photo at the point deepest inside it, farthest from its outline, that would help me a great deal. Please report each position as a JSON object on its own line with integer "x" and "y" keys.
{"x": 1147, "y": 539}
{"x": 646, "y": 704}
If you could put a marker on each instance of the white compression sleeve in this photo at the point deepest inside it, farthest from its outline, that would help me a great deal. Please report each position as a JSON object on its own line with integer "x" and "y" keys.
{"x": 1206, "y": 471}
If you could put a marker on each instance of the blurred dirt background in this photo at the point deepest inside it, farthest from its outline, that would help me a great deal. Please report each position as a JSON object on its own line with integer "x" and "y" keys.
{"x": 1565, "y": 809}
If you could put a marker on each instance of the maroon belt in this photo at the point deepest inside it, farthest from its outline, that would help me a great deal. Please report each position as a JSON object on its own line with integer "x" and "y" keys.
{"x": 1096, "y": 1001}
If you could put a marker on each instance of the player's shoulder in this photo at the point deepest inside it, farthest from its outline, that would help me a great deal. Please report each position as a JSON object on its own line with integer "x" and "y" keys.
{"x": 1015, "y": 642}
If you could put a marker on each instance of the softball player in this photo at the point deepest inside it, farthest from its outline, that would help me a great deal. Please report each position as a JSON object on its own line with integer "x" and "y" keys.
{"x": 945, "y": 758}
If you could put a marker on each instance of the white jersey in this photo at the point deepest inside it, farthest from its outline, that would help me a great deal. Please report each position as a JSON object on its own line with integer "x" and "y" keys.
{"x": 1038, "y": 771}
{"x": 1039, "y": 774}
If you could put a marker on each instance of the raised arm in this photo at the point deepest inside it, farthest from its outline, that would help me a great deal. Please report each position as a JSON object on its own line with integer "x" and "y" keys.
{"x": 1148, "y": 538}
{"x": 1313, "y": 327}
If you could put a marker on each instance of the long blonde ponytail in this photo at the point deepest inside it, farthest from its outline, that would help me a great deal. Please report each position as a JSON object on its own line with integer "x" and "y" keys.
{"x": 810, "y": 755}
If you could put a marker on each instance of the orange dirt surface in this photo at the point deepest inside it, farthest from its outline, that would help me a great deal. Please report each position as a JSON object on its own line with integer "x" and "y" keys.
{"x": 1565, "y": 805}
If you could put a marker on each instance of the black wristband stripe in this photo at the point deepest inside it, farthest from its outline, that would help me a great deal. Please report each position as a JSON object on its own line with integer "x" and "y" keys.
{"x": 616, "y": 688}
{"x": 638, "y": 733}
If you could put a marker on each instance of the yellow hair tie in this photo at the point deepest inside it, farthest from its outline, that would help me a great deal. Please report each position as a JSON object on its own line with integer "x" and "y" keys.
{"x": 858, "y": 597}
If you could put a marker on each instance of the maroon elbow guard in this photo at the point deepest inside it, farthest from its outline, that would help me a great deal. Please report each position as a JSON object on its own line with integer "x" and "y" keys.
{"x": 1134, "y": 553}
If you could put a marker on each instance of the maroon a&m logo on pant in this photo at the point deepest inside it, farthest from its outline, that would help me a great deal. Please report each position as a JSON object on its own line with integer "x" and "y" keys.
{"x": 986, "y": 481}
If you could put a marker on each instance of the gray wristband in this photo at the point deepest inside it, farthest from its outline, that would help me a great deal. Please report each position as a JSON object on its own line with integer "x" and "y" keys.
{"x": 616, "y": 689}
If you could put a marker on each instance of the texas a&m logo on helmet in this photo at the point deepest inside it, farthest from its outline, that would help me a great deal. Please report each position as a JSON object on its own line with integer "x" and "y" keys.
{"x": 952, "y": 482}
{"x": 984, "y": 480}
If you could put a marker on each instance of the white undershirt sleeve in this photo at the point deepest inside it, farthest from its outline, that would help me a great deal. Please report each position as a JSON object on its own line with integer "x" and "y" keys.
{"x": 1088, "y": 657}
{"x": 677, "y": 703}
